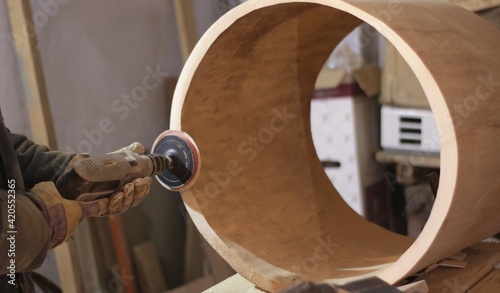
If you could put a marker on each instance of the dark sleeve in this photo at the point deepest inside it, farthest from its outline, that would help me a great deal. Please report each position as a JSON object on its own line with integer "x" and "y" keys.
{"x": 37, "y": 162}
{"x": 29, "y": 242}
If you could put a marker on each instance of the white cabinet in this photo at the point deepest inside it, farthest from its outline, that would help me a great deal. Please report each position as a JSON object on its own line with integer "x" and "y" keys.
{"x": 346, "y": 130}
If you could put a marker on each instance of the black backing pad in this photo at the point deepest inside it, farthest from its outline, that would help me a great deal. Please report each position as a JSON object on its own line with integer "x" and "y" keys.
{"x": 183, "y": 158}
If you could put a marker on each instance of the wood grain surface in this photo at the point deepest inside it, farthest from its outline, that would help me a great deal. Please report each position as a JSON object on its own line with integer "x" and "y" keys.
{"x": 263, "y": 200}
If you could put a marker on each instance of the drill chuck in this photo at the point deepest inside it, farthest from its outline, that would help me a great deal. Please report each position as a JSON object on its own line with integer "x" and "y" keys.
{"x": 160, "y": 163}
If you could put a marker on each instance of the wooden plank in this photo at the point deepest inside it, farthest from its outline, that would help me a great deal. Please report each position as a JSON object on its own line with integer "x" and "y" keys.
{"x": 104, "y": 251}
{"x": 89, "y": 270}
{"x": 400, "y": 86}
{"x": 69, "y": 270}
{"x": 30, "y": 66}
{"x": 262, "y": 199}
{"x": 148, "y": 268}
{"x": 416, "y": 160}
{"x": 186, "y": 26}
{"x": 490, "y": 283}
{"x": 481, "y": 259}
{"x": 123, "y": 254}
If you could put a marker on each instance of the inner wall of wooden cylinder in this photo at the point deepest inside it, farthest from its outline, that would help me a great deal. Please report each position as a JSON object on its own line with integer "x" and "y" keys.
{"x": 261, "y": 184}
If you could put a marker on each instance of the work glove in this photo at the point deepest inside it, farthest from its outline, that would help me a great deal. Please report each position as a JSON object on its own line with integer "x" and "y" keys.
{"x": 130, "y": 194}
{"x": 135, "y": 147}
{"x": 64, "y": 214}
{"x": 133, "y": 192}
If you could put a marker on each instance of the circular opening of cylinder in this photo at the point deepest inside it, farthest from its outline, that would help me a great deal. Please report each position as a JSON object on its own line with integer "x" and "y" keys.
{"x": 385, "y": 168}
{"x": 261, "y": 184}
{"x": 262, "y": 199}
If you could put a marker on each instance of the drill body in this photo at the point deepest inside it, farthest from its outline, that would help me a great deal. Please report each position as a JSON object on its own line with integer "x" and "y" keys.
{"x": 99, "y": 177}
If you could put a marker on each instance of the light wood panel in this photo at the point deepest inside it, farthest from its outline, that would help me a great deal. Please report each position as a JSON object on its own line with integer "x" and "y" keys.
{"x": 25, "y": 43}
{"x": 186, "y": 26}
{"x": 263, "y": 200}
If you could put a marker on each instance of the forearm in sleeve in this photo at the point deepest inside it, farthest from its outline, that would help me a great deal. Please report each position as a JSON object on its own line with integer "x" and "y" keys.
{"x": 37, "y": 162}
{"x": 25, "y": 232}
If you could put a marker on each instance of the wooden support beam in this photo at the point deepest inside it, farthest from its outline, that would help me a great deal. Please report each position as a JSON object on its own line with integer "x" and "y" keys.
{"x": 123, "y": 253}
{"x": 30, "y": 66}
{"x": 69, "y": 270}
{"x": 40, "y": 118}
{"x": 148, "y": 268}
{"x": 186, "y": 26}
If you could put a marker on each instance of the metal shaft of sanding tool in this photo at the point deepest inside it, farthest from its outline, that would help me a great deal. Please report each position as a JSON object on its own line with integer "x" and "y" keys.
{"x": 161, "y": 163}
{"x": 170, "y": 162}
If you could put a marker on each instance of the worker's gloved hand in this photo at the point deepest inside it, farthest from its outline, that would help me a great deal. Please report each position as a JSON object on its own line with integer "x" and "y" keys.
{"x": 64, "y": 214}
{"x": 133, "y": 192}
{"x": 129, "y": 195}
{"x": 135, "y": 147}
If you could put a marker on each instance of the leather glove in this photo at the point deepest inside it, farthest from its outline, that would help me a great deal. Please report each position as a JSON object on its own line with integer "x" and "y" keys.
{"x": 131, "y": 193}
{"x": 128, "y": 196}
{"x": 65, "y": 215}
{"x": 135, "y": 147}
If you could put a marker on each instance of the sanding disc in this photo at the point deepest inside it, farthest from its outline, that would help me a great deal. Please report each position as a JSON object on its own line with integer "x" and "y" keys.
{"x": 182, "y": 150}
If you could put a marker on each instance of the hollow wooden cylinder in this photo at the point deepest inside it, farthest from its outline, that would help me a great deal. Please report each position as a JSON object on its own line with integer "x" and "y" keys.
{"x": 262, "y": 199}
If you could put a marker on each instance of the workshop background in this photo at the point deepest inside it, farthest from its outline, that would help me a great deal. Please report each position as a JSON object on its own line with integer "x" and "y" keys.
{"x": 93, "y": 52}
{"x": 96, "y": 56}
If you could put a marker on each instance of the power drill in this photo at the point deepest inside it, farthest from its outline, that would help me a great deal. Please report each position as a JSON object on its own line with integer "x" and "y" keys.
{"x": 175, "y": 161}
